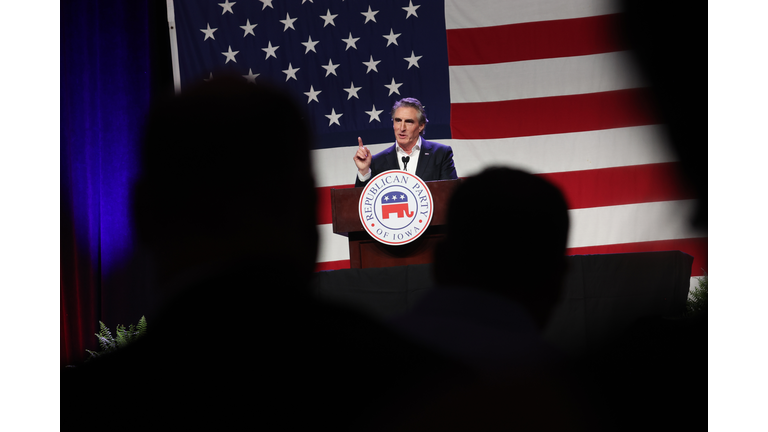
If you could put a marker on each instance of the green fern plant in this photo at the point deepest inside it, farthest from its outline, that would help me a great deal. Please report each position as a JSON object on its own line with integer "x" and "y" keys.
{"x": 123, "y": 336}
{"x": 697, "y": 300}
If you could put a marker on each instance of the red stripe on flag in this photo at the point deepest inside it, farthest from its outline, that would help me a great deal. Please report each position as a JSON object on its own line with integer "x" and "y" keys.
{"x": 621, "y": 185}
{"x": 696, "y": 247}
{"x": 633, "y": 184}
{"x": 534, "y": 40}
{"x": 551, "y": 115}
{"x": 332, "y": 265}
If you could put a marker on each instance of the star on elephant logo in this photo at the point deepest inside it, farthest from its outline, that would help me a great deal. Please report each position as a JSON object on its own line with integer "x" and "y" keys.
{"x": 396, "y": 207}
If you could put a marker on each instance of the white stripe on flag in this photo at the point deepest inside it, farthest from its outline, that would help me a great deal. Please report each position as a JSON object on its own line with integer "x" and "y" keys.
{"x": 543, "y": 78}
{"x": 578, "y": 151}
{"x": 332, "y": 247}
{"x": 485, "y": 13}
{"x": 633, "y": 223}
{"x": 609, "y": 148}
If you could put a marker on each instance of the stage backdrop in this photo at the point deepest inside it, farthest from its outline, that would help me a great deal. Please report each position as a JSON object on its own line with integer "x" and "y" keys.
{"x": 542, "y": 85}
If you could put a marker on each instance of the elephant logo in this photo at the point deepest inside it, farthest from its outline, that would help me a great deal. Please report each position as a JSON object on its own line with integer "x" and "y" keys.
{"x": 395, "y": 207}
{"x": 395, "y": 203}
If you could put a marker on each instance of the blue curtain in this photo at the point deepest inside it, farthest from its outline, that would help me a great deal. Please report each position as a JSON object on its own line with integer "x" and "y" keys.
{"x": 105, "y": 92}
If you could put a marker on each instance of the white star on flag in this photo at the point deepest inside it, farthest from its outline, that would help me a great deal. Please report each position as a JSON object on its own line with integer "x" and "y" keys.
{"x": 328, "y": 18}
{"x": 266, "y": 3}
{"x": 288, "y": 22}
{"x": 350, "y": 42}
{"x": 227, "y": 7}
{"x": 374, "y": 113}
{"x": 248, "y": 27}
{"x": 290, "y": 72}
{"x": 330, "y": 68}
{"x": 352, "y": 90}
{"x": 230, "y": 55}
{"x": 334, "y": 117}
{"x": 372, "y": 64}
{"x": 413, "y": 60}
{"x": 310, "y": 44}
{"x": 369, "y": 16}
{"x": 393, "y": 88}
{"x": 411, "y": 9}
{"x": 251, "y": 77}
{"x": 312, "y": 94}
{"x": 208, "y": 32}
{"x": 392, "y": 37}
{"x": 270, "y": 50}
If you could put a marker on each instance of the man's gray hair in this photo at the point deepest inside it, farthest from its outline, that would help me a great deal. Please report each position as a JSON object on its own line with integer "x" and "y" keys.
{"x": 415, "y": 104}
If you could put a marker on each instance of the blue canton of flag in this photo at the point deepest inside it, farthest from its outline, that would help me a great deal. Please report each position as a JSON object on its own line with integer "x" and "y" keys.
{"x": 347, "y": 62}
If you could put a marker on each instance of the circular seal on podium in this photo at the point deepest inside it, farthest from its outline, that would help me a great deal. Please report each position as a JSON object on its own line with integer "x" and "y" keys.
{"x": 396, "y": 207}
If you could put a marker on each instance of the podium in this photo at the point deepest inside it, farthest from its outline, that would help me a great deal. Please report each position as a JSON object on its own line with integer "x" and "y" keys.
{"x": 366, "y": 252}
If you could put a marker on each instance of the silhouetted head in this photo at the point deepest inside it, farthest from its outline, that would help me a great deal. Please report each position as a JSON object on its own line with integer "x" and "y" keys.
{"x": 226, "y": 172}
{"x": 506, "y": 233}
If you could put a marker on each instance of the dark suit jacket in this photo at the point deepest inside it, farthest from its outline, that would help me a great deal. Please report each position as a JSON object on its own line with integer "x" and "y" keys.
{"x": 435, "y": 162}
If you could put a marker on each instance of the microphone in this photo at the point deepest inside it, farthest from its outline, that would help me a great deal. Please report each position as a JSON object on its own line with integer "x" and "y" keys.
{"x": 405, "y": 162}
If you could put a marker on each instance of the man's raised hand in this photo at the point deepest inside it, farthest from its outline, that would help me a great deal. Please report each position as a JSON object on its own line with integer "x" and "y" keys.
{"x": 362, "y": 157}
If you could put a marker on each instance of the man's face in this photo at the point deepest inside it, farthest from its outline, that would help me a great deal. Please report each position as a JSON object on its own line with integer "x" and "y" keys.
{"x": 407, "y": 127}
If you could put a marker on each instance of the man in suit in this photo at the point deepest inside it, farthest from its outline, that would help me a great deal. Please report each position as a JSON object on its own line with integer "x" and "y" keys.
{"x": 428, "y": 160}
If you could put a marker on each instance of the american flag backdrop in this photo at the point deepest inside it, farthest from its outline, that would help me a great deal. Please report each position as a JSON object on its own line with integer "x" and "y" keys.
{"x": 542, "y": 85}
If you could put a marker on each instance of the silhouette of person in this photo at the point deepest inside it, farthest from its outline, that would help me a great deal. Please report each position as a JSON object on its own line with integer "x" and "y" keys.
{"x": 498, "y": 276}
{"x": 237, "y": 339}
{"x": 499, "y": 271}
{"x": 427, "y": 159}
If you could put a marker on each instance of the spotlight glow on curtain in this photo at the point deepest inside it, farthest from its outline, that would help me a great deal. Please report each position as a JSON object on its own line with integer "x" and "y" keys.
{"x": 105, "y": 84}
